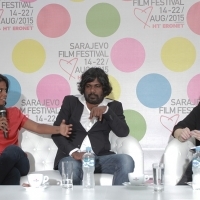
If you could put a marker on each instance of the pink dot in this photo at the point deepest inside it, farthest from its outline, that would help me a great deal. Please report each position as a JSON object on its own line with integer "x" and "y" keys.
{"x": 193, "y": 17}
{"x": 53, "y": 20}
{"x": 193, "y": 89}
{"x": 28, "y": 1}
{"x": 51, "y": 90}
{"x": 127, "y": 55}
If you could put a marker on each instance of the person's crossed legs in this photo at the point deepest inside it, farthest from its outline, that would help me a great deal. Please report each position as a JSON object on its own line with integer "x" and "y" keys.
{"x": 77, "y": 169}
{"x": 117, "y": 164}
{"x": 13, "y": 164}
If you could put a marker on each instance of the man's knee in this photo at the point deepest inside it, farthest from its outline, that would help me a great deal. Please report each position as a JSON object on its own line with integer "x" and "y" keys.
{"x": 127, "y": 162}
{"x": 13, "y": 149}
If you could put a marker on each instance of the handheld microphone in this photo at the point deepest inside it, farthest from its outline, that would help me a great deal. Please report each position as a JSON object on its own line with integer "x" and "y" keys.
{"x": 3, "y": 113}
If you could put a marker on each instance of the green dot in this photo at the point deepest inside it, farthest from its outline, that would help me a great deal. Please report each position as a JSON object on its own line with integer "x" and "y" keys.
{"x": 136, "y": 123}
{"x": 103, "y": 20}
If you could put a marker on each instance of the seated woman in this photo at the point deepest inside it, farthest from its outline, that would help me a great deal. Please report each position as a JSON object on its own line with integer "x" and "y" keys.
{"x": 183, "y": 130}
{"x": 13, "y": 161}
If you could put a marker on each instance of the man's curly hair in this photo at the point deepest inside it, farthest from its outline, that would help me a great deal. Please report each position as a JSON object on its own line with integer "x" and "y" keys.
{"x": 92, "y": 74}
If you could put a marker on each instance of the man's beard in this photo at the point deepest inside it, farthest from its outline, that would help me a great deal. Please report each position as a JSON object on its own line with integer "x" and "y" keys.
{"x": 93, "y": 98}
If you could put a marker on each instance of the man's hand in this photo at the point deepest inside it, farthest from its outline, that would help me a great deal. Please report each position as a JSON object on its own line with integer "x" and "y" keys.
{"x": 195, "y": 134}
{"x": 183, "y": 134}
{"x": 65, "y": 130}
{"x": 78, "y": 155}
{"x": 97, "y": 112}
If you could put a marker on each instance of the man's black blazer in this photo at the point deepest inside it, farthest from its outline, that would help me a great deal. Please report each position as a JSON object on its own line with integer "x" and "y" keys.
{"x": 71, "y": 110}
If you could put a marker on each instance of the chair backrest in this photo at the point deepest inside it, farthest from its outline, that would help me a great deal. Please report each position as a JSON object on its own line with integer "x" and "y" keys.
{"x": 41, "y": 150}
{"x": 176, "y": 158}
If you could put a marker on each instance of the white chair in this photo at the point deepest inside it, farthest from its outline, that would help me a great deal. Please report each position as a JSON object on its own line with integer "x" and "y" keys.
{"x": 41, "y": 152}
{"x": 176, "y": 158}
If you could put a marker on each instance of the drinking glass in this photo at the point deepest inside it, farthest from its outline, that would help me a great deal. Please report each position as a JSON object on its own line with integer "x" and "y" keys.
{"x": 158, "y": 176}
{"x": 67, "y": 174}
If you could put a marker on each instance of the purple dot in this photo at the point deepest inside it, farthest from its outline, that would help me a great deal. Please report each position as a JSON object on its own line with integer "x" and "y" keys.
{"x": 128, "y": 55}
{"x": 53, "y": 20}
{"x": 193, "y": 17}
{"x": 193, "y": 89}
{"x": 51, "y": 90}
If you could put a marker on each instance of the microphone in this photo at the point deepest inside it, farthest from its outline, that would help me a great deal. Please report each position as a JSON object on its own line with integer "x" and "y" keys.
{"x": 3, "y": 113}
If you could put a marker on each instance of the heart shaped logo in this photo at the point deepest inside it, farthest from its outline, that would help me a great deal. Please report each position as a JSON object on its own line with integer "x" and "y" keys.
{"x": 143, "y": 15}
{"x": 169, "y": 122}
{"x": 1, "y": 13}
{"x": 68, "y": 66}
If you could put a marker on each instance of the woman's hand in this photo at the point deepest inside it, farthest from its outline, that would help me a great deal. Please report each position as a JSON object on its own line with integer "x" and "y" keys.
{"x": 65, "y": 130}
{"x": 3, "y": 124}
{"x": 195, "y": 134}
{"x": 182, "y": 134}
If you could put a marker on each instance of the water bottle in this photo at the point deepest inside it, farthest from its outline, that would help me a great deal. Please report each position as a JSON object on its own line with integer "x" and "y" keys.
{"x": 196, "y": 169}
{"x": 88, "y": 162}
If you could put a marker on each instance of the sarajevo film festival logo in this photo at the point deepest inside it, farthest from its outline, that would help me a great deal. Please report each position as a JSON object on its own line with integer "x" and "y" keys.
{"x": 1, "y": 13}
{"x": 143, "y": 15}
{"x": 169, "y": 122}
{"x": 68, "y": 66}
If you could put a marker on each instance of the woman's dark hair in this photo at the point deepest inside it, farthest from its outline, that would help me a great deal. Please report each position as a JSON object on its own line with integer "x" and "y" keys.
{"x": 4, "y": 79}
{"x": 92, "y": 74}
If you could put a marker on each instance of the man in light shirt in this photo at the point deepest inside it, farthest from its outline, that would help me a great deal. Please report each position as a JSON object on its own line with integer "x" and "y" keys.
{"x": 90, "y": 118}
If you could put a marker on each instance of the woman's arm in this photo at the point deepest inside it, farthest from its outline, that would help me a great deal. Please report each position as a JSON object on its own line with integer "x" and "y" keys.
{"x": 63, "y": 129}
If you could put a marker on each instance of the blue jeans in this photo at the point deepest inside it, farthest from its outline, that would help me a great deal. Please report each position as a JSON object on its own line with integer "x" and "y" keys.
{"x": 117, "y": 164}
{"x": 13, "y": 164}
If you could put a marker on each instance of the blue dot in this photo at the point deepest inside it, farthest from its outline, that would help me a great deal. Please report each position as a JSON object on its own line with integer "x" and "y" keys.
{"x": 14, "y": 91}
{"x": 153, "y": 90}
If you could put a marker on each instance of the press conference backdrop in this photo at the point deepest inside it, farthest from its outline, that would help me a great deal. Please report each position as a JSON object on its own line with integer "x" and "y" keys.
{"x": 150, "y": 50}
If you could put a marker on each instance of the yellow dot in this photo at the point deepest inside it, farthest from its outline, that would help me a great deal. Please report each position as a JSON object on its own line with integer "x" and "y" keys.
{"x": 178, "y": 54}
{"x": 28, "y": 56}
{"x": 115, "y": 94}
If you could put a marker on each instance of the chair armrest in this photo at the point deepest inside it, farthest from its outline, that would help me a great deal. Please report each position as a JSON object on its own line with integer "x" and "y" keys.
{"x": 176, "y": 158}
{"x": 128, "y": 145}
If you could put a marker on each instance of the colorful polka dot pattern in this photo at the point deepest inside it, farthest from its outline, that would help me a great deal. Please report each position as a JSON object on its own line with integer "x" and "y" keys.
{"x": 127, "y": 54}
